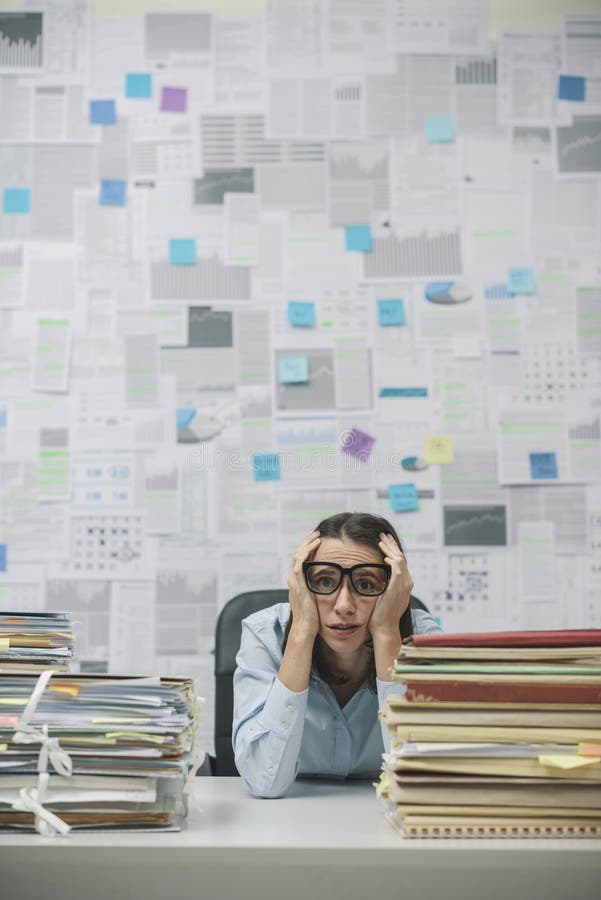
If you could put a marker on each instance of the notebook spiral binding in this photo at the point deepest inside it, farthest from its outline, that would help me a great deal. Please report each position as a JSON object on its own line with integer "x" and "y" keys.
{"x": 521, "y": 830}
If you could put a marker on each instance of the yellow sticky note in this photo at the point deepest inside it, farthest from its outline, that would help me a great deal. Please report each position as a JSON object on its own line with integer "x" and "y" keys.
{"x": 381, "y": 786}
{"x": 561, "y": 761}
{"x": 4, "y": 644}
{"x": 438, "y": 448}
{"x": 3, "y": 748}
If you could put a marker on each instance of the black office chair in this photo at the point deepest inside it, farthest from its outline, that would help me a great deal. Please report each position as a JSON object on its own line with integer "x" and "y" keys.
{"x": 228, "y": 633}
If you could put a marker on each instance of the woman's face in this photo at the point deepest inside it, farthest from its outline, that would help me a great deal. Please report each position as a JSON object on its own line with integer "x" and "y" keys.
{"x": 345, "y": 607}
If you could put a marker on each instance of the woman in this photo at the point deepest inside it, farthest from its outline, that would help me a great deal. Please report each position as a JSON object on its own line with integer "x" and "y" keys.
{"x": 311, "y": 675}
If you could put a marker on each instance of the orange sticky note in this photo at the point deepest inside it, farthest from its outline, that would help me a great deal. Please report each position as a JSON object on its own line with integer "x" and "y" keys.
{"x": 72, "y": 690}
{"x": 593, "y": 750}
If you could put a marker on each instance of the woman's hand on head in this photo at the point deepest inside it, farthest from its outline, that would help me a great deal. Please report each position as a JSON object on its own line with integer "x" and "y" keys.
{"x": 305, "y": 617}
{"x": 390, "y": 606}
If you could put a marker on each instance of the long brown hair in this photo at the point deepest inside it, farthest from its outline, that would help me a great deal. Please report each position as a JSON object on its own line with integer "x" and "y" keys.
{"x": 364, "y": 528}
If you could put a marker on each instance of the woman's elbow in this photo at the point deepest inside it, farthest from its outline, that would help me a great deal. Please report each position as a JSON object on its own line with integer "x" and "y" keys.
{"x": 263, "y": 788}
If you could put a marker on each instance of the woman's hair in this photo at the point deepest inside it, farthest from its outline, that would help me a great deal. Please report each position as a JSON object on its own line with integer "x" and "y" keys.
{"x": 364, "y": 528}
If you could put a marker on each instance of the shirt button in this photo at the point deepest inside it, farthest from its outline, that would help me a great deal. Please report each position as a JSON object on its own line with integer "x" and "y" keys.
{"x": 285, "y": 726}
{"x": 270, "y": 770}
{"x": 290, "y": 707}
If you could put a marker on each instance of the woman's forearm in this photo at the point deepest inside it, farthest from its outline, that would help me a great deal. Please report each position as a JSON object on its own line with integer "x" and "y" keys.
{"x": 295, "y": 669}
{"x": 386, "y": 647}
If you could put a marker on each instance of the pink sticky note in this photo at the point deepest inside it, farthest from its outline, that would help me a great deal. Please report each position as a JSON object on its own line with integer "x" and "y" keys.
{"x": 174, "y": 99}
{"x": 8, "y": 721}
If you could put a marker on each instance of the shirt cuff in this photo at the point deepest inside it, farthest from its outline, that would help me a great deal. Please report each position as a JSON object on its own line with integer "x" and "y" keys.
{"x": 283, "y": 709}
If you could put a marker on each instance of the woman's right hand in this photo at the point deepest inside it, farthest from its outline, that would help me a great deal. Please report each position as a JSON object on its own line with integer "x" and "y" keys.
{"x": 305, "y": 618}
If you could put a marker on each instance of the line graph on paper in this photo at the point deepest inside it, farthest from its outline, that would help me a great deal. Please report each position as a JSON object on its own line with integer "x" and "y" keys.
{"x": 352, "y": 161}
{"x": 579, "y": 145}
{"x": 475, "y": 525}
{"x": 318, "y": 392}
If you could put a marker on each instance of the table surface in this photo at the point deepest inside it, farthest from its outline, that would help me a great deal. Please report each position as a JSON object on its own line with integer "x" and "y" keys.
{"x": 235, "y": 840}
{"x": 315, "y": 814}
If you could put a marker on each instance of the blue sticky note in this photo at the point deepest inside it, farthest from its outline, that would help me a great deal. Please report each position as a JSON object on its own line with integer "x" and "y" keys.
{"x": 16, "y": 200}
{"x": 543, "y": 465}
{"x": 112, "y": 192}
{"x": 138, "y": 85}
{"x": 301, "y": 313}
{"x": 391, "y": 312}
{"x": 358, "y": 238}
{"x": 2, "y": 557}
{"x": 571, "y": 87}
{"x": 266, "y": 467}
{"x": 182, "y": 251}
{"x": 102, "y": 112}
{"x": 521, "y": 281}
{"x": 439, "y": 129}
{"x": 293, "y": 369}
{"x": 185, "y": 416}
{"x": 403, "y": 497}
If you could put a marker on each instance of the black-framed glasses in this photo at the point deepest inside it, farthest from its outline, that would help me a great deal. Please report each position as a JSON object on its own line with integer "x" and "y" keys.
{"x": 367, "y": 579}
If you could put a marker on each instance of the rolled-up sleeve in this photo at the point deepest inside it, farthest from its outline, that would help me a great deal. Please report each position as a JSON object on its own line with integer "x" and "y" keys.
{"x": 423, "y": 623}
{"x": 268, "y": 720}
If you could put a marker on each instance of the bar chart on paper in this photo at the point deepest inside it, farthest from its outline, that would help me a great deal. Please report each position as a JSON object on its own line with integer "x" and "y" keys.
{"x": 11, "y": 271}
{"x": 208, "y": 278}
{"x": 417, "y": 255}
{"x": 20, "y": 40}
{"x": 479, "y": 70}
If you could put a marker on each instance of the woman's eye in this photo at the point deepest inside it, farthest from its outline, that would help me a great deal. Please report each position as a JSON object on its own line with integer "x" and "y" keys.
{"x": 366, "y": 586}
{"x": 324, "y": 582}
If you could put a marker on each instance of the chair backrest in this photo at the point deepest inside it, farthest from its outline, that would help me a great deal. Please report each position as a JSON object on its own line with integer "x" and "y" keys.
{"x": 228, "y": 633}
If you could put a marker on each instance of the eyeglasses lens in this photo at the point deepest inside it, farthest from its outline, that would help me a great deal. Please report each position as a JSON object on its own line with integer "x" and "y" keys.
{"x": 368, "y": 581}
{"x": 323, "y": 579}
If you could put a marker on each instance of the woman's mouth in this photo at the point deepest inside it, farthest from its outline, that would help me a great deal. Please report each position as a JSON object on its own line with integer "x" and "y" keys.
{"x": 344, "y": 630}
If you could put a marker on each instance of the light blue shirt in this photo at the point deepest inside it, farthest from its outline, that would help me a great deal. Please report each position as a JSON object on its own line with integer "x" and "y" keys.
{"x": 278, "y": 734}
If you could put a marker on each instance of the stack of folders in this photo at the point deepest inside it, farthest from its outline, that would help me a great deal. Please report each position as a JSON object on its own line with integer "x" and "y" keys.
{"x": 36, "y": 641}
{"x": 496, "y": 735}
{"x": 95, "y": 751}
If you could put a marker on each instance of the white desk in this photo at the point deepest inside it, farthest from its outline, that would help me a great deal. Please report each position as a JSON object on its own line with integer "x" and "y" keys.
{"x": 325, "y": 840}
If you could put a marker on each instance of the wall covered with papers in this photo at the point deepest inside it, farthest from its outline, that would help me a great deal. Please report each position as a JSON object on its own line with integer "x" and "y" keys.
{"x": 264, "y": 262}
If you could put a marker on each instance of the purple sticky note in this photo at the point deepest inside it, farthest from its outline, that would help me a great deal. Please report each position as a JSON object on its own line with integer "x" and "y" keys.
{"x": 357, "y": 443}
{"x": 174, "y": 99}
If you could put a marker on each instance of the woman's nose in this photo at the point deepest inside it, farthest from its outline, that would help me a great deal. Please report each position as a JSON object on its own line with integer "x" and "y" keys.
{"x": 345, "y": 601}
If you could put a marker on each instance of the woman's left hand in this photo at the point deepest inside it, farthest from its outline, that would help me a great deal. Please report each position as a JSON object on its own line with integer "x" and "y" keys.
{"x": 389, "y": 608}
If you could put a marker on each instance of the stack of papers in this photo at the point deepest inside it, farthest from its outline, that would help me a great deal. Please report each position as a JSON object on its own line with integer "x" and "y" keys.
{"x": 95, "y": 751}
{"x": 35, "y": 640}
{"x": 496, "y": 735}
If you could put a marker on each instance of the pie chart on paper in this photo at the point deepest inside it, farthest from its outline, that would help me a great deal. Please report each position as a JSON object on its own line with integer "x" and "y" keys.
{"x": 447, "y": 293}
{"x": 413, "y": 463}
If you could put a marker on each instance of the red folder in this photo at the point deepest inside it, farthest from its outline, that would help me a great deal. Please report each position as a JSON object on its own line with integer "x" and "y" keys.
{"x": 575, "y": 637}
